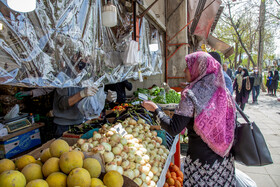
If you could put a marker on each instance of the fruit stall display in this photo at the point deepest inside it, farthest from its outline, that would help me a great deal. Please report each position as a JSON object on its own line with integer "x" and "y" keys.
{"x": 174, "y": 176}
{"x": 128, "y": 147}
{"x": 57, "y": 166}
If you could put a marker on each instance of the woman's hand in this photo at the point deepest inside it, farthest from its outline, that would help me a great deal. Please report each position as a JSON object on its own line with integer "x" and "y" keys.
{"x": 149, "y": 105}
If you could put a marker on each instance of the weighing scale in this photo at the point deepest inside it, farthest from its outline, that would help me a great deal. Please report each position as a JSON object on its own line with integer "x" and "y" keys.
{"x": 17, "y": 123}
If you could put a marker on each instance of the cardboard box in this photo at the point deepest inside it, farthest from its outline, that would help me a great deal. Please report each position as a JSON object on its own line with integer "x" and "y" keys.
{"x": 20, "y": 143}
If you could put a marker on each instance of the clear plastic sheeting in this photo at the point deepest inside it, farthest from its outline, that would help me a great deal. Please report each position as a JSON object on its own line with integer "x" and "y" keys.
{"x": 63, "y": 44}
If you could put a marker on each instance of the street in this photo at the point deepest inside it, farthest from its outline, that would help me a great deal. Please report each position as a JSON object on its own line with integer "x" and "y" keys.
{"x": 266, "y": 115}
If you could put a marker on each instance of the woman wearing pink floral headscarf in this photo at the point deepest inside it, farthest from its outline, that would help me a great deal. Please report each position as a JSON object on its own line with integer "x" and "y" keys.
{"x": 208, "y": 111}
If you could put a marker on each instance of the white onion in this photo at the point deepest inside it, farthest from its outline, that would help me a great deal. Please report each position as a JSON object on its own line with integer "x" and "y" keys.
{"x": 125, "y": 164}
{"x": 164, "y": 155}
{"x": 156, "y": 163}
{"x": 146, "y": 158}
{"x": 96, "y": 136}
{"x": 153, "y": 153}
{"x": 143, "y": 176}
{"x": 154, "y": 169}
{"x": 77, "y": 149}
{"x": 128, "y": 130}
{"x": 166, "y": 151}
{"x": 154, "y": 133}
{"x": 149, "y": 134}
{"x": 141, "y": 137}
{"x": 138, "y": 181}
{"x": 151, "y": 174}
{"x": 140, "y": 126}
{"x": 124, "y": 123}
{"x": 132, "y": 122}
{"x": 95, "y": 143}
{"x": 131, "y": 157}
{"x": 149, "y": 165}
{"x": 136, "y": 172}
{"x": 138, "y": 159}
{"x": 141, "y": 121}
{"x": 108, "y": 156}
{"x": 85, "y": 147}
{"x": 117, "y": 150}
{"x": 132, "y": 150}
{"x": 109, "y": 133}
{"x": 144, "y": 185}
{"x": 90, "y": 140}
{"x": 148, "y": 180}
{"x": 142, "y": 162}
{"x": 155, "y": 178}
{"x": 152, "y": 184}
{"x": 116, "y": 138}
{"x": 146, "y": 128}
{"x": 137, "y": 166}
{"x": 81, "y": 141}
{"x": 120, "y": 146}
{"x": 123, "y": 141}
{"x": 136, "y": 129}
{"x": 144, "y": 169}
{"x": 160, "y": 151}
{"x": 118, "y": 160}
{"x": 106, "y": 146}
{"x": 120, "y": 170}
{"x": 124, "y": 155}
{"x": 129, "y": 173}
{"x": 151, "y": 146}
{"x": 125, "y": 149}
{"x": 128, "y": 136}
{"x": 140, "y": 153}
{"x": 132, "y": 165}
{"x": 135, "y": 134}
{"x": 157, "y": 145}
{"x": 111, "y": 166}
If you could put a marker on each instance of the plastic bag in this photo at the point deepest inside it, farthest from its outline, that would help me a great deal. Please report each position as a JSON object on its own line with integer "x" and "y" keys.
{"x": 131, "y": 54}
{"x": 12, "y": 113}
{"x": 243, "y": 180}
{"x": 92, "y": 106}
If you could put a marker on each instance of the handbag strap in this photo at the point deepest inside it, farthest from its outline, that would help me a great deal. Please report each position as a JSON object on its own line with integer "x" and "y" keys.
{"x": 242, "y": 113}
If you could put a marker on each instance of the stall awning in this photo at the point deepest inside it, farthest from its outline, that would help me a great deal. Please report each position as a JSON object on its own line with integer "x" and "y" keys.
{"x": 219, "y": 45}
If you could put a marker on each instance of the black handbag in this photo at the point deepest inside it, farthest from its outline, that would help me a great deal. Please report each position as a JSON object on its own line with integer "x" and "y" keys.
{"x": 250, "y": 148}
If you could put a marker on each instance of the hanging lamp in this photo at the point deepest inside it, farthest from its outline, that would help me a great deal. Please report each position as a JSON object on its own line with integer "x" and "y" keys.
{"x": 153, "y": 45}
{"x": 22, "y": 5}
{"x": 109, "y": 15}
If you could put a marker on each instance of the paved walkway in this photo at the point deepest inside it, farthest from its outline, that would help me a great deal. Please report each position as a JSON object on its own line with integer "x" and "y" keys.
{"x": 267, "y": 116}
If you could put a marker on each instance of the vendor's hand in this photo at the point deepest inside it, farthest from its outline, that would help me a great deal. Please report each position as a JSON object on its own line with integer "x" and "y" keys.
{"x": 89, "y": 91}
{"x": 112, "y": 96}
{"x": 22, "y": 94}
{"x": 149, "y": 105}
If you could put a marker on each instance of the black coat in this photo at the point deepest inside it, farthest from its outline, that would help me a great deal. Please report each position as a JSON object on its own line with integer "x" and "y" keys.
{"x": 274, "y": 84}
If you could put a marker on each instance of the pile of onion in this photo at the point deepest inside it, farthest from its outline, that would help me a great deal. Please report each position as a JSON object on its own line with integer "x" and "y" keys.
{"x": 138, "y": 155}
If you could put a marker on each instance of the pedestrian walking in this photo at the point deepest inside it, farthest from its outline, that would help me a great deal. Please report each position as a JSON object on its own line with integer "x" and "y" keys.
{"x": 243, "y": 85}
{"x": 257, "y": 85}
{"x": 269, "y": 83}
{"x": 274, "y": 84}
{"x": 227, "y": 70}
{"x": 208, "y": 111}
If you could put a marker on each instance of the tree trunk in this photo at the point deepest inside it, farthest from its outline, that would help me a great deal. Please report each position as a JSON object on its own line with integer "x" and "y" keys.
{"x": 239, "y": 37}
{"x": 261, "y": 34}
{"x": 236, "y": 55}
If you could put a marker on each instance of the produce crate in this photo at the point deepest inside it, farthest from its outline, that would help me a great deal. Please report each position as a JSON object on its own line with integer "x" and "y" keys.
{"x": 184, "y": 148}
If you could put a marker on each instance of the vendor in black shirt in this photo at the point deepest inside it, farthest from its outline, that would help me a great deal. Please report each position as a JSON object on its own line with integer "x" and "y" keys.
{"x": 120, "y": 89}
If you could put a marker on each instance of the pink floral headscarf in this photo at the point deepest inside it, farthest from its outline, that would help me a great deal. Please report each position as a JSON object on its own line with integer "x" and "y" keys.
{"x": 209, "y": 102}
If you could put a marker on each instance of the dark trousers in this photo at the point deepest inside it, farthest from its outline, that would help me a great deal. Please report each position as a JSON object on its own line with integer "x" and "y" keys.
{"x": 60, "y": 129}
{"x": 255, "y": 92}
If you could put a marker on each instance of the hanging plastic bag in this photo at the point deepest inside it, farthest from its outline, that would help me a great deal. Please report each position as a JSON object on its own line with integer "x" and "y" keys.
{"x": 92, "y": 106}
{"x": 131, "y": 54}
{"x": 12, "y": 113}
{"x": 243, "y": 180}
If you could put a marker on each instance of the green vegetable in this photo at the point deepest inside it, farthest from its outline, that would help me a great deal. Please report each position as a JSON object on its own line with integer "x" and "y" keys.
{"x": 173, "y": 97}
{"x": 154, "y": 91}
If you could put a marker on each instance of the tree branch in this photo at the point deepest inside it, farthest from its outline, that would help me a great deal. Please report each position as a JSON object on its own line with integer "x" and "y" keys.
{"x": 239, "y": 37}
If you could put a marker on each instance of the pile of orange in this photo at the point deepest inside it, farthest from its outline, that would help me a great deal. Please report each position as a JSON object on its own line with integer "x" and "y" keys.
{"x": 174, "y": 177}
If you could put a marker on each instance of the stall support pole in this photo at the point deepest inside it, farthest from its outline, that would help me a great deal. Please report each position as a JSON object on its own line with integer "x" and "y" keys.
{"x": 177, "y": 157}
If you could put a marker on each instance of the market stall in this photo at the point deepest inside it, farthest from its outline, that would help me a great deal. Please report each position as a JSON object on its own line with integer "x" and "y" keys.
{"x": 71, "y": 44}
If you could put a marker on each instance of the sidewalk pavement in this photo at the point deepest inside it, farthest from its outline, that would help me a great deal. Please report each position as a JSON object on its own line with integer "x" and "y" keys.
{"x": 266, "y": 115}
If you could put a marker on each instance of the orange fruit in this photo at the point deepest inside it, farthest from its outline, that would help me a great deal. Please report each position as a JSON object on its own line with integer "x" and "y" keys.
{"x": 177, "y": 183}
{"x": 180, "y": 174}
{"x": 165, "y": 185}
{"x": 170, "y": 181}
{"x": 168, "y": 174}
{"x": 173, "y": 175}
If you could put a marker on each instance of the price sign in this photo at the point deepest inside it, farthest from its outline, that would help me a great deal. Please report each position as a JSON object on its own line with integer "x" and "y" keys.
{"x": 119, "y": 128}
